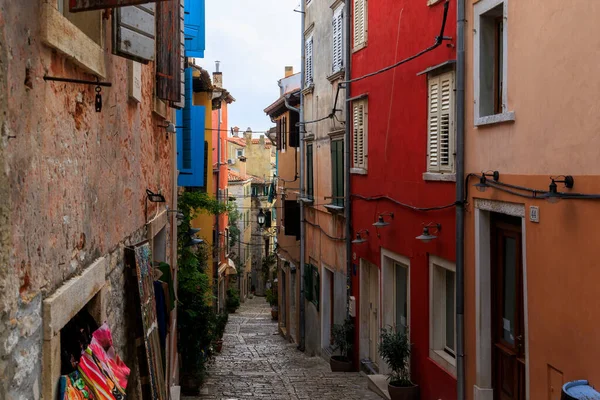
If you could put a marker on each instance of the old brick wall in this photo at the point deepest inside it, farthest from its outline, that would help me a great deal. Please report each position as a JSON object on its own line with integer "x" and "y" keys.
{"x": 72, "y": 184}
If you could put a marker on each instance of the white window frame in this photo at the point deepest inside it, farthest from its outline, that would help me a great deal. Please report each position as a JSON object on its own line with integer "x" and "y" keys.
{"x": 338, "y": 39}
{"x": 437, "y": 312}
{"x": 436, "y": 120}
{"x": 309, "y": 68}
{"x": 480, "y": 9}
{"x": 357, "y": 43}
{"x": 359, "y": 161}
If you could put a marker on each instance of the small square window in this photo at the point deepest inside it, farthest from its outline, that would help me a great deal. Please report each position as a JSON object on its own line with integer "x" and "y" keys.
{"x": 89, "y": 22}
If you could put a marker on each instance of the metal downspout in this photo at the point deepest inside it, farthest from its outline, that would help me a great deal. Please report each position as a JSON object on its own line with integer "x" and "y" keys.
{"x": 348, "y": 203}
{"x": 218, "y": 215}
{"x": 460, "y": 206}
{"x": 301, "y": 346}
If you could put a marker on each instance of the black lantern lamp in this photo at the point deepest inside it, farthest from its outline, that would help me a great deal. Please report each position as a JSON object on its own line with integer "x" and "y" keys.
{"x": 482, "y": 185}
{"x": 381, "y": 221}
{"x": 553, "y": 196}
{"x": 429, "y": 235}
{"x": 154, "y": 197}
{"x": 261, "y": 218}
{"x": 359, "y": 239}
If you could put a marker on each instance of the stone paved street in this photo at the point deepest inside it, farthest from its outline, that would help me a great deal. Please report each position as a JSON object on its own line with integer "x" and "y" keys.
{"x": 256, "y": 362}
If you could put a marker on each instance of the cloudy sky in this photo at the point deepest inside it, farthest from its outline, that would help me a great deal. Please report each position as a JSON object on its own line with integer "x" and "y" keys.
{"x": 254, "y": 40}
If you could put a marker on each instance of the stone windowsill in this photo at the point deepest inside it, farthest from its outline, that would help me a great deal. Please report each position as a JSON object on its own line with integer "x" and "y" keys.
{"x": 359, "y": 47}
{"x": 309, "y": 89}
{"x": 333, "y": 208}
{"x": 59, "y": 33}
{"x": 358, "y": 171}
{"x": 336, "y": 134}
{"x": 443, "y": 359}
{"x": 336, "y": 75}
{"x": 432, "y": 2}
{"x": 508, "y": 116}
{"x": 439, "y": 177}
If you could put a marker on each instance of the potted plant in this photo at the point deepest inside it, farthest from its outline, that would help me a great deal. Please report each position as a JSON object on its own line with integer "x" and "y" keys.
{"x": 220, "y": 323}
{"x": 233, "y": 300}
{"x": 272, "y": 300}
{"x": 394, "y": 349}
{"x": 341, "y": 335}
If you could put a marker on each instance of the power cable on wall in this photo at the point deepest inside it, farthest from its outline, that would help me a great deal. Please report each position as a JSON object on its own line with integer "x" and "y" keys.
{"x": 323, "y": 231}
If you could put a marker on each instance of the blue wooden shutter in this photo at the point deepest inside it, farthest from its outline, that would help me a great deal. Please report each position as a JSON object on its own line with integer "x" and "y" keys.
{"x": 195, "y": 37}
{"x": 190, "y": 139}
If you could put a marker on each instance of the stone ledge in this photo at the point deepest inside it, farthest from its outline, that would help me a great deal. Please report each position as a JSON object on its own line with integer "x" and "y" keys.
{"x": 72, "y": 297}
{"x": 378, "y": 384}
{"x": 59, "y": 33}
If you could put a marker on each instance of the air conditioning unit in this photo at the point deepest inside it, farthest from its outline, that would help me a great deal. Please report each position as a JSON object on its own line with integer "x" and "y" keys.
{"x": 230, "y": 161}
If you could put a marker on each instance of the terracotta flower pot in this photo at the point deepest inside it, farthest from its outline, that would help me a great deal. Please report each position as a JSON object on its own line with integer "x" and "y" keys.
{"x": 340, "y": 364}
{"x": 219, "y": 345}
{"x": 274, "y": 313}
{"x": 404, "y": 392}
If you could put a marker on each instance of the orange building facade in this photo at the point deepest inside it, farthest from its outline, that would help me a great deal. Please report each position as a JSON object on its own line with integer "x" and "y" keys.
{"x": 531, "y": 299}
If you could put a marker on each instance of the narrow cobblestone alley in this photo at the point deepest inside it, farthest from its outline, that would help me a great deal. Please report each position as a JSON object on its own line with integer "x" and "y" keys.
{"x": 256, "y": 362}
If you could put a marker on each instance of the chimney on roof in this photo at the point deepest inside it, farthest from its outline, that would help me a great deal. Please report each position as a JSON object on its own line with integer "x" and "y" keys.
{"x": 236, "y": 131}
{"x": 262, "y": 140}
{"x": 248, "y": 136}
{"x": 242, "y": 166}
{"x": 289, "y": 71}
{"x": 218, "y": 75}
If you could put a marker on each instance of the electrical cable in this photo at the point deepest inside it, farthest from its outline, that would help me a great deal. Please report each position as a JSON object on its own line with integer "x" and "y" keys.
{"x": 424, "y": 209}
{"x": 324, "y": 232}
{"x": 438, "y": 41}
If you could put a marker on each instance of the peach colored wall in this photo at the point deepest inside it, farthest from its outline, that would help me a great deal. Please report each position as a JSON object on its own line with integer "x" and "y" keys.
{"x": 553, "y": 90}
{"x": 562, "y": 284}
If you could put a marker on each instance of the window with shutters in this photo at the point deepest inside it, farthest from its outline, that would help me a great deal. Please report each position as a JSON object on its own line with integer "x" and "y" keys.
{"x": 490, "y": 62}
{"x": 190, "y": 140}
{"x": 359, "y": 136}
{"x": 309, "y": 171}
{"x": 337, "y": 173}
{"x": 440, "y": 126}
{"x": 309, "y": 67}
{"x": 338, "y": 39}
{"x": 360, "y": 24}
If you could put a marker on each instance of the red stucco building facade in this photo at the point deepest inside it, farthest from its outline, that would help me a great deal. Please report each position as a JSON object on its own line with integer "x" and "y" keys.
{"x": 403, "y": 164}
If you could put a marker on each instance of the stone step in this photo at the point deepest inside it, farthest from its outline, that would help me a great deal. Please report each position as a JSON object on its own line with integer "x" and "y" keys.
{"x": 379, "y": 384}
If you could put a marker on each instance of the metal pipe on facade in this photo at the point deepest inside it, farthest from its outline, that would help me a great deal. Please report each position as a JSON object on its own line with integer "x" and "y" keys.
{"x": 348, "y": 203}
{"x": 218, "y": 215}
{"x": 302, "y": 324}
{"x": 460, "y": 200}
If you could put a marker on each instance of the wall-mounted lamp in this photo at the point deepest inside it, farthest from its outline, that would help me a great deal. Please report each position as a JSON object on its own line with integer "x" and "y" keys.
{"x": 261, "y": 218}
{"x": 154, "y": 197}
{"x": 482, "y": 185}
{"x": 178, "y": 214}
{"x": 553, "y": 196}
{"x": 192, "y": 239}
{"x": 359, "y": 239}
{"x": 380, "y": 220}
{"x": 427, "y": 235}
{"x": 170, "y": 128}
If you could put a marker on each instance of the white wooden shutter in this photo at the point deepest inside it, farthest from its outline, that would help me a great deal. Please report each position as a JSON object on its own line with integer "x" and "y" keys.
{"x": 359, "y": 135}
{"x": 440, "y": 138}
{"x": 338, "y": 46}
{"x": 359, "y": 22}
{"x": 309, "y": 61}
{"x": 134, "y": 32}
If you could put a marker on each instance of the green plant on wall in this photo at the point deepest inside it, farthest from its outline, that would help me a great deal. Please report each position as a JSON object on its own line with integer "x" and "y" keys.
{"x": 267, "y": 263}
{"x": 197, "y": 321}
{"x": 234, "y": 231}
{"x": 233, "y": 299}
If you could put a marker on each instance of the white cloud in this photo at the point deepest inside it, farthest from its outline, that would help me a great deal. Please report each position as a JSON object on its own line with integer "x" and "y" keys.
{"x": 254, "y": 40}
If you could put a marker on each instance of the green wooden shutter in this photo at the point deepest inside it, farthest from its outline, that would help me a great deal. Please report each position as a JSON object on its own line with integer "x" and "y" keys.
{"x": 308, "y": 282}
{"x": 309, "y": 171}
{"x": 337, "y": 171}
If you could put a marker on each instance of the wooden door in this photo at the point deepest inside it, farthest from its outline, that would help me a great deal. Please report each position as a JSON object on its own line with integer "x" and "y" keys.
{"x": 373, "y": 313}
{"x": 508, "y": 329}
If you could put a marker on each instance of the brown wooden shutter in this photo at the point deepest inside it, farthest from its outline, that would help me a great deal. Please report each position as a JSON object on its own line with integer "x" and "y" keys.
{"x": 278, "y": 128}
{"x": 86, "y": 5}
{"x": 294, "y": 130}
{"x": 168, "y": 51}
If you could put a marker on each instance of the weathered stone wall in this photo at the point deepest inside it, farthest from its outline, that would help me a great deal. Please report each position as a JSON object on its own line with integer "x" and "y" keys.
{"x": 72, "y": 185}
